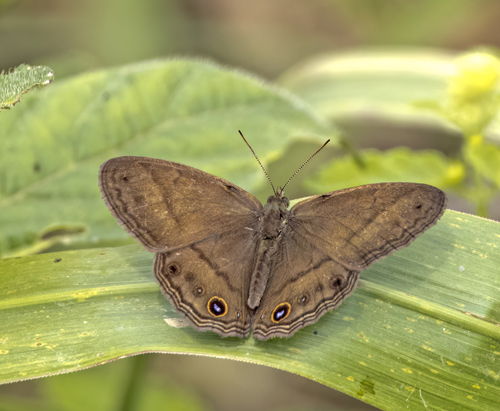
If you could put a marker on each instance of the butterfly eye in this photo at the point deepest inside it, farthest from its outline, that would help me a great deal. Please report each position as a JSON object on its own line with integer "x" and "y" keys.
{"x": 217, "y": 307}
{"x": 281, "y": 312}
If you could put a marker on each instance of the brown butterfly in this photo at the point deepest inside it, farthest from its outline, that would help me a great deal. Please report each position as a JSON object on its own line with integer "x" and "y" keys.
{"x": 232, "y": 265}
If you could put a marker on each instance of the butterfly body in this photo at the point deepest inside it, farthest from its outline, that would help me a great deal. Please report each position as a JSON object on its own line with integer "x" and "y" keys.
{"x": 272, "y": 227}
{"x": 233, "y": 266}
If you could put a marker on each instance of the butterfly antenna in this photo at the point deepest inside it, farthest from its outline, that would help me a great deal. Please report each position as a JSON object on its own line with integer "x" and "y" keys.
{"x": 302, "y": 166}
{"x": 257, "y": 158}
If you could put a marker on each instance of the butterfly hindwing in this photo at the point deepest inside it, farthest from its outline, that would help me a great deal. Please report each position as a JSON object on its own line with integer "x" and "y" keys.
{"x": 305, "y": 284}
{"x": 208, "y": 281}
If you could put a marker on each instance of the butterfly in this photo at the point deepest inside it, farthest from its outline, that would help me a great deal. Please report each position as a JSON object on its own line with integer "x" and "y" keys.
{"x": 233, "y": 266}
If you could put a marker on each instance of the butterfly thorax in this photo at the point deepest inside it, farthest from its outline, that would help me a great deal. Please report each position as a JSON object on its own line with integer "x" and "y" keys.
{"x": 275, "y": 212}
{"x": 273, "y": 221}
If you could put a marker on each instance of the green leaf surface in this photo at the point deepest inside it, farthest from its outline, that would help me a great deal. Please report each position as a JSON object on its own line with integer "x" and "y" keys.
{"x": 405, "y": 85}
{"x": 421, "y": 332}
{"x": 375, "y": 81}
{"x": 398, "y": 164}
{"x": 186, "y": 111}
{"x": 21, "y": 80}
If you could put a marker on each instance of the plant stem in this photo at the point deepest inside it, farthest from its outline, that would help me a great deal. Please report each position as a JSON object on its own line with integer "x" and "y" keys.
{"x": 133, "y": 387}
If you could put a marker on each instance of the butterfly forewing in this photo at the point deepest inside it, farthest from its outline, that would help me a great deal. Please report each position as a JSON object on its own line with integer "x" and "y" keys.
{"x": 165, "y": 204}
{"x": 360, "y": 225}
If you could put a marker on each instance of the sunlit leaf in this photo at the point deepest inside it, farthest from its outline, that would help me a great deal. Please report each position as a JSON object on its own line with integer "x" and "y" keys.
{"x": 401, "y": 86}
{"x": 398, "y": 164}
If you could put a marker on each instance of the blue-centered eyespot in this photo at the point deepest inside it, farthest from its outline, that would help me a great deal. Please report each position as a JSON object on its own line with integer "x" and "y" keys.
{"x": 217, "y": 307}
{"x": 281, "y": 312}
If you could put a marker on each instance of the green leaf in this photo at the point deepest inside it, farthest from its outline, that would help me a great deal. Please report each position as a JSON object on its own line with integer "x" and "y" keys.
{"x": 21, "y": 80}
{"x": 399, "y": 85}
{"x": 187, "y": 111}
{"x": 376, "y": 82}
{"x": 398, "y": 164}
{"x": 422, "y": 331}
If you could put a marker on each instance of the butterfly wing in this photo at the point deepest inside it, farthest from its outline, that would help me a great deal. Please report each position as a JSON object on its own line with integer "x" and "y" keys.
{"x": 165, "y": 204}
{"x": 202, "y": 229}
{"x": 329, "y": 239}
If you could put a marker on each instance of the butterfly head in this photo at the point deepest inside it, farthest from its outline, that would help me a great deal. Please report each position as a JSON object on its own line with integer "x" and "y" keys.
{"x": 278, "y": 201}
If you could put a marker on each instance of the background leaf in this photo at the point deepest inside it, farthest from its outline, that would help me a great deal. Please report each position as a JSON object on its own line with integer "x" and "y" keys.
{"x": 372, "y": 81}
{"x": 398, "y": 164}
{"x": 401, "y": 86}
{"x": 421, "y": 331}
{"x": 180, "y": 110}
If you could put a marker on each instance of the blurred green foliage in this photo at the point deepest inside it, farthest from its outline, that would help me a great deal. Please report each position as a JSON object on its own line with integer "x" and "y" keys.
{"x": 472, "y": 102}
{"x": 120, "y": 385}
{"x": 263, "y": 37}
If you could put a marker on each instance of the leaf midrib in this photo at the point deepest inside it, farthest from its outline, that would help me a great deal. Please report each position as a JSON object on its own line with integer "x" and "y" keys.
{"x": 78, "y": 294}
